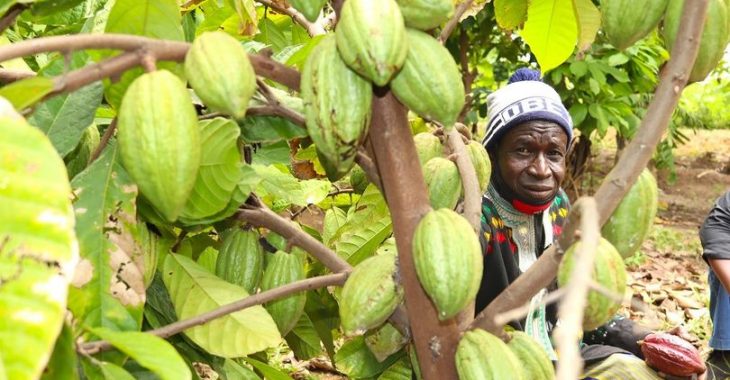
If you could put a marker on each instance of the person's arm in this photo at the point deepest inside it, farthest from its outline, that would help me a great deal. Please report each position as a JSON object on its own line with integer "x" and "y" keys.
{"x": 721, "y": 267}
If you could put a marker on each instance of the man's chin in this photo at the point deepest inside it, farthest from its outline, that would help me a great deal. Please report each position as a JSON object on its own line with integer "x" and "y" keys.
{"x": 538, "y": 198}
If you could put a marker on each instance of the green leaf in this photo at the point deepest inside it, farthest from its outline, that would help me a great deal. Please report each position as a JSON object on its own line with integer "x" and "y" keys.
{"x": 63, "y": 362}
{"x": 109, "y": 284}
{"x": 24, "y": 93}
{"x": 235, "y": 371}
{"x": 400, "y": 370}
{"x": 194, "y": 290}
{"x": 578, "y": 112}
{"x": 220, "y": 169}
{"x": 510, "y": 13}
{"x": 551, "y": 30}
{"x": 246, "y": 11}
{"x": 280, "y": 189}
{"x": 272, "y": 35}
{"x": 150, "y": 351}
{"x": 208, "y": 258}
{"x": 38, "y": 248}
{"x": 355, "y": 359}
{"x": 334, "y": 218}
{"x": 303, "y": 339}
{"x": 269, "y": 129}
{"x": 297, "y": 59}
{"x": 617, "y": 59}
{"x": 270, "y": 373}
{"x": 589, "y": 21}
{"x": 365, "y": 229}
{"x": 104, "y": 371}
{"x": 323, "y": 312}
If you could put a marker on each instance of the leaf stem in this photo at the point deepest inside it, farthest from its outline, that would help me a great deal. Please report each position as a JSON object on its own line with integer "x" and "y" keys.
{"x": 108, "y": 133}
{"x": 451, "y": 24}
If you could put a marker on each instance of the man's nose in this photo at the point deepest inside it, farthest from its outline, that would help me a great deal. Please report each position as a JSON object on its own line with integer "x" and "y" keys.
{"x": 539, "y": 167}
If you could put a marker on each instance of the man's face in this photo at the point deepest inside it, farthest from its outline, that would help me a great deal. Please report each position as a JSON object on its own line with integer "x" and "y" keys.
{"x": 531, "y": 158}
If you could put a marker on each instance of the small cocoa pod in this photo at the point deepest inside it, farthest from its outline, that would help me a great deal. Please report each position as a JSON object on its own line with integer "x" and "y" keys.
{"x": 622, "y": 23}
{"x": 482, "y": 164}
{"x": 284, "y": 268}
{"x": 358, "y": 180}
{"x": 483, "y": 356}
{"x": 443, "y": 182}
{"x": 370, "y": 294}
{"x": 448, "y": 260}
{"x": 309, "y": 8}
{"x": 218, "y": 69}
{"x": 426, "y": 14}
{"x": 428, "y": 146}
{"x": 385, "y": 341}
{"x": 536, "y": 364}
{"x": 371, "y": 38}
{"x": 241, "y": 259}
{"x": 671, "y": 355}
{"x": 159, "y": 140}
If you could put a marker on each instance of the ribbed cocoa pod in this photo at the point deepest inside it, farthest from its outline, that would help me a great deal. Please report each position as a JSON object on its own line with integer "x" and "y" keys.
{"x": 337, "y": 107}
{"x": 624, "y": 24}
{"x": 426, "y": 14}
{"x": 448, "y": 260}
{"x": 241, "y": 259}
{"x": 371, "y": 38}
{"x": 430, "y": 82}
{"x": 284, "y": 268}
{"x": 428, "y": 146}
{"x": 714, "y": 35}
{"x": 483, "y": 356}
{"x": 218, "y": 69}
{"x": 671, "y": 355}
{"x": 159, "y": 140}
{"x": 370, "y": 294}
{"x": 385, "y": 341}
{"x": 536, "y": 364}
{"x": 309, "y": 8}
{"x": 482, "y": 164}
{"x": 443, "y": 182}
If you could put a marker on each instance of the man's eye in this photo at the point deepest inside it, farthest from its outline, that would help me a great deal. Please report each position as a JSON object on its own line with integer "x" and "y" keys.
{"x": 522, "y": 150}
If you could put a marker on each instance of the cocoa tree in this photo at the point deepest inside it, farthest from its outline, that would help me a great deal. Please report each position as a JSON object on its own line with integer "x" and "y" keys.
{"x": 135, "y": 212}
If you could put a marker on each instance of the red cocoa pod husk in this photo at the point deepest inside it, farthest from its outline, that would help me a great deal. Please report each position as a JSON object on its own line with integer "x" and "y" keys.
{"x": 671, "y": 355}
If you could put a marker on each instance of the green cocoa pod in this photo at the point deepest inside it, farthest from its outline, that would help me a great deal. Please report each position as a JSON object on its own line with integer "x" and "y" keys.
{"x": 385, "y": 341}
{"x": 371, "y": 38}
{"x": 284, "y": 268}
{"x": 358, "y": 180}
{"x": 218, "y": 69}
{"x": 482, "y": 164}
{"x": 624, "y": 24}
{"x": 241, "y": 259}
{"x": 78, "y": 159}
{"x": 428, "y": 146}
{"x": 429, "y": 83}
{"x": 714, "y": 35}
{"x": 629, "y": 224}
{"x": 483, "y": 356}
{"x": 536, "y": 364}
{"x": 443, "y": 182}
{"x": 426, "y": 14}
{"x": 309, "y": 8}
{"x": 608, "y": 271}
{"x": 370, "y": 294}
{"x": 336, "y": 106}
{"x": 159, "y": 140}
{"x": 448, "y": 260}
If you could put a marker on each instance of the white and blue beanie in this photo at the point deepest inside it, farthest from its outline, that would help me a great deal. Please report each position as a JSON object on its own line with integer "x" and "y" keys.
{"x": 523, "y": 99}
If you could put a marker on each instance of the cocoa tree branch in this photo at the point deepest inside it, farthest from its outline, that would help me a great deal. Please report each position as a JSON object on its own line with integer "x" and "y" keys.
{"x": 313, "y": 29}
{"x": 368, "y": 166}
{"x": 451, "y": 24}
{"x": 108, "y": 133}
{"x": 524, "y": 310}
{"x": 570, "y": 312}
{"x": 91, "y": 348}
{"x": 10, "y": 16}
{"x": 470, "y": 183}
{"x": 672, "y": 80}
{"x": 110, "y": 67}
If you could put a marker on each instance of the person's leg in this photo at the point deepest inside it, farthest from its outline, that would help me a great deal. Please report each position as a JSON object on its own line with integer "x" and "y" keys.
{"x": 718, "y": 363}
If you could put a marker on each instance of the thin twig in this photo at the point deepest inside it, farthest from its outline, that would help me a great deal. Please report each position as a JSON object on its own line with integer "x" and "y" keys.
{"x": 522, "y": 311}
{"x": 10, "y": 16}
{"x": 313, "y": 29}
{"x": 257, "y": 299}
{"x": 368, "y": 166}
{"x": 278, "y": 110}
{"x": 451, "y": 24}
{"x": 108, "y": 133}
{"x": 470, "y": 183}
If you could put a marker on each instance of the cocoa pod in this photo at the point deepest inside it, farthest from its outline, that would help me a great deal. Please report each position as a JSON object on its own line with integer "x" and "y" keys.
{"x": 428, "y": 146}
{"x": 536, "y": 364}
{"x": 624, "y": 25}
{"x": 385, "y": 341}
{"x": 358, "y": 180}
{"x": 370, "y": 294}
{"x": 443, "y": 182}
{"x": 430, "y": 82}
{"x": 371, "y": 38}
{"x": 714, "y": 37}
{"x": 309, "y": 8}
{"x": 336, "y": 107}
{"x": 483, "y": 356}
{"x": 448, "y": 260}
{"x": 629, "y": 224}
{"x": 241, "y": 259}
{"x": 159, "y": 140}
{"x": 482, "y": 164}
{"x": 150, "y": 248}
{"x": 284, "y": 268}
{"x": 426, "y": 14}
{"x": 78, "y": 159}
{"x": 218, "y": 69}
{"x": 671, "y": 355}
{"x": 608, "y": 271}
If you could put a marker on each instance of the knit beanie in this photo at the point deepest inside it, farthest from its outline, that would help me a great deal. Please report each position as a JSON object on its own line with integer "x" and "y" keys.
{"x": 523, "y": 99}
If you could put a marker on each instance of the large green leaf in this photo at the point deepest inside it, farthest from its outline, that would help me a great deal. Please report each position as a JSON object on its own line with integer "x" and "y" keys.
{"x": 150, "y": 351}
{"x": 235, "y": 371}
{"x": 303, "y": 339}
{"x": 510, "y": 13}
{"x": 220, "y": 169}
{"x": 355, "y": 359}
{"x": 100, "y": 370}
{"x": 270, "y": 373}
{"x": 551, "y": 30}
{"x": 365, "y": 229}
{"x": 24, "y": 93}
{"x": 194, "y": 290}
{"x": 334, "y": 219}
{"x": 279, "y": 188}
{"x": 589, "y": 21}
{"x": 270, "y": 129}
{"x": 400, "y": 370}
{"x": 108, "y": 289}
{"x": 63, "y": 363}
{"x": 38, "y": 248}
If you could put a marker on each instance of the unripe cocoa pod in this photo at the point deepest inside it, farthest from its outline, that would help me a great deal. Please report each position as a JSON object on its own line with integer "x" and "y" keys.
{"x": 536, "y": 364}
{"x": 218, "y": 69}
{"x": 241, "y": 259}
{"x": 159, "y": 140}
{"x": 624, "y": 24}
{"x": 608, "y": 271}
{"x": 336, "y": 106}
{"x": 426, "y": 14}
{"x": 428, "y": 146}
{"x": 370, "y": 294}
{"x": 714, "y": 35}
{"x": 430, "y": 82}
{"x": 483, "y": 356}
{"x": 78, "y": 159}
{"x": 309, "y": 8}
{"x": 443, "y": 182}
{"x": 385, "y": 341}
{"x": 448, "y": 260}
{"x": 671, "y": 355}
{"x": 482, "y": 164}
{"x": 371, "y": 38}
{"x": 284, "y": 268}
{"x": 358, "y": 180}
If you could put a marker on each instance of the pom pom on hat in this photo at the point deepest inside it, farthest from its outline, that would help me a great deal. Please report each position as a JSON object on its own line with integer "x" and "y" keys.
{"x": 525, "y": 74}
